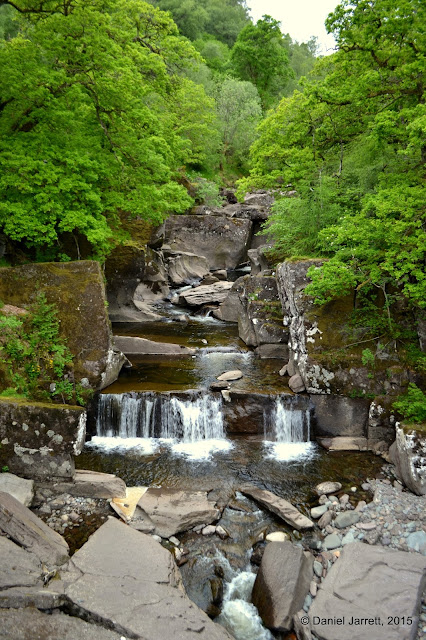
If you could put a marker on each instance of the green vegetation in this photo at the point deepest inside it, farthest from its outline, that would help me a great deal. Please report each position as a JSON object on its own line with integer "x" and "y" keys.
{"x": 412, "y": 405}
{"x": 36, "y": 363}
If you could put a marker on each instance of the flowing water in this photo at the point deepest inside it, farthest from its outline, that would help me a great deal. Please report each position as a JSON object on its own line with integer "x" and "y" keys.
{"x": 153, "y": 428}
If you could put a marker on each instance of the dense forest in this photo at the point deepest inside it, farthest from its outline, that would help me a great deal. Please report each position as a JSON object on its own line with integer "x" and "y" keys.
{"x": 118, "y": 109}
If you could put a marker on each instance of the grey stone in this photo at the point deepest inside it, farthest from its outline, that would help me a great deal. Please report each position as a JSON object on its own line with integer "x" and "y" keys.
{"x": 346, "y": 519}
{"x": 19, "y": 488}
{"x": 279, "y": 506}
{"x": 317, "y": 512}
{"x": 207, "y": 294}
{"x": 332, "y": 541}
{"x": 209, "y": 530}
{"x": 221, "y": 532}
{"x": 348, "y": 538}
{"x": 273, "y": 351}
{"x": 185, "y": 268}
{"x": 408, "y": 454}
{"x": 130, "y": 583}
{"x": 417, "y": 541}
{"x": 337, "y": 416}
{"x": 19, "y": 568}
{"x": 325, "y": 488}
{"x": 282, "y": 584}
{"x": 31, "y": 533}
{"x": 318, "y": 568}
{"x": 167, "y": 512}
{"x": 296, "y": 383}
{"x": 131, "y": 345}
{"x": 94, "y": 484}
{"x": 325, "y": 519}
{"x": 22, "y": 624}
{"x": 369, "y": 583}
{"x": 277, "y": 536}
{"x": 39, "y": 597}
{"x": 228, "y": 376}
{"x": 344, "y": 443}
{"x": 302, "y": 630}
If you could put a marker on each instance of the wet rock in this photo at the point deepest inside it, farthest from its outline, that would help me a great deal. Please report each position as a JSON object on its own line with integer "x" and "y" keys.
{"x": 141, "y": 346}
{"x": 273, "y": 351}
{"x": 279, "y": 506}
{"x": 332, "y": 541}
{"x": 219, "y": 385}
{"x": 228, "y": 376}
{"x": 317, "y": 512}
{"x": 94, "y": 484}
{"x": 408, "y": 453}
{"x": 185, "y": 268}
{"x": 344, "y": 444}
{"x": 276, "y": 536}
{"x": 296, "y": 384}
{"x": 19, "y": 488}
{"x": 221, "y": 532}
{"x": 325, "y": 488}
{"x": 209, "y": 530}
{"x": 282, "y": 584}
{"x": 31, "y": 533}
{"x": 257, "y": 555}
{"x": 207, "y": 294}
{"x": 21, "y": 624}
{"x": 365, "y": 584}
{"x": 131, "y": 583}
{"x": 325, "y": 519}
{"x": 167, "y": 512}
{"x": 19, "y": 568}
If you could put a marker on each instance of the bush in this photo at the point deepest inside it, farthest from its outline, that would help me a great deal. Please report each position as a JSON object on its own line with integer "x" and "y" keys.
{"x": 412, "y": 405}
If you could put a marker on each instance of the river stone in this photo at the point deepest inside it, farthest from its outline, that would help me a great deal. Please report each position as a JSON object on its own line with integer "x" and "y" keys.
{"x": 21, "y": 624}
{"x": 94, "y": 484}
{"x": 19, "y": 488}
{"x": 369, "y": 582}
{"x": 167, "y": 512}
{"x": 185, "y": 268}
{"x": 207, "y": 294}
{"x": 346, "y": 519}
{"x": 325, "y": 519}
{"x": 332, "y": 541}
{"x": 324, "y": 488}
{"x": 279, "y": 506}
{"x": 317, "y": 512}
{"x": 276, "y": 536}
{"x": 417, "y": 541}
{"x": 31, "y": 533}
{"x": 130, "y": 583}
{"x": 228, "y": 376}
{"x": 296, "y": 384}
{"x": 281, "y": 584}
{"x": 132, "y": 346}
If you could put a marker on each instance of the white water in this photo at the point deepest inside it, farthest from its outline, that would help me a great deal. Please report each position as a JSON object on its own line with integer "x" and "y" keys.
{"x": 287, "y": 432}
{"x": 239, "y": 616}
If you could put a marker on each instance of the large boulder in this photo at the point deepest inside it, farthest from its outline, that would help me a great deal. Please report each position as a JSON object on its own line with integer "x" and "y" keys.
{"x": 370, "y": 592}
{"x": 19, "y": 488}
{"x": 166, "y": 512}
{"x": 27, "y": 530}
{"x": 129, "y": 583}
{"x": 40, "y": 440}
{"x": 408, "y": 453}
{"x": 132, "y": 346}
{"x": 185, "y": 268}
{"x": 19, "y": 568}
{"x": 221, "y": 240}
{"x": 322, "y": 349}
{"x": 282, "y": 584}
{"x": 93, "y": 484}
{"x": 207, "y": 294}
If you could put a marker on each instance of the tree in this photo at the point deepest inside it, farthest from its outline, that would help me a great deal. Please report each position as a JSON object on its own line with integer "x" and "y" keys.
{"x": 260, "y": 57}
{"x": 96, "y": 118}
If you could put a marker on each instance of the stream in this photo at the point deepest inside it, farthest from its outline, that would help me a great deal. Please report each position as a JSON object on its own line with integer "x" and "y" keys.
{"x": 159, "y": 425}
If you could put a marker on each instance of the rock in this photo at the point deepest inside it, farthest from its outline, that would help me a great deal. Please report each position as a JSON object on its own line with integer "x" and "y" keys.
{"x": 281, "y": 584}
{"x": 408, "y": 454}
{"x": 209, "y": 530}
{"x": 37, "y": 596}
{"x": 279, "y": 506}
{"x": 317, "y": 512}
{"x": 167, "y": 512}
{"x": 94, "y": 484}
{"x": 300, "y": 628}
{"x": 366, "y": 526}
{"x": 325, "y": 519}
{"x": 296, "y": 384}
{"x": 141, "y": 346}
{"x": 318, "y": 568}
{"x": 22, "y": 490}
{"x": 209, "y": 279}
{"x": 346, "y": 519}
{"x": 337, "y": 416}
{"x": 221, "y": 274}
{"x": 219, "y": 386}
{"x": 207, "y": 294}
{"x": 31, "y": 533}
{"x": 416, "y": 541}
{"x": 277, "y": 536}
{"x": 19, "y": 568}
{"x": 77, "y": 289}
{"x": 186, "y": 268}
{"x": 325, "y": 488}
{"x": 258, "y": 261}
{"x": 262, "y": 199}
{"x": 21, "y": 624}
{"x": 277, "y": 351}
{"x": 228, "y": 376}
{"x": 39, "y": 440}
{"x": 131, "y": 584}
{"x": 221, "y": 532}
{"x": 332, "y": 541}
{"x": 174, "y": 541}
{"x": 348, "y": 538}
{"x": 344, "y": 444}
{"x": 221, "y": 240}
{"x": 365, "y": 584}
{"x": 344, "y": 499}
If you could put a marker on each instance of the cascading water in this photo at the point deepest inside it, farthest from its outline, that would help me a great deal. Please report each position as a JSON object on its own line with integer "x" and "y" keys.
{"x": 287, "y": 430}
{"x": 194, "y": 424}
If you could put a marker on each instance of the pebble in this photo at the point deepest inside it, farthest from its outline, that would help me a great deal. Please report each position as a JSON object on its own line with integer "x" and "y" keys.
{"x": 209, "y": 530}
{"x": 276, "y": 536}
{"x": 174, "y": 541}
{"x": 332, "y": 541}
{"x": 317, "y": 512}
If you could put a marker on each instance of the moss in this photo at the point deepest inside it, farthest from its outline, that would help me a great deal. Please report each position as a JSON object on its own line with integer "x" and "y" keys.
{"x": 418, "y": 428}
{"x": 23, "y": 402}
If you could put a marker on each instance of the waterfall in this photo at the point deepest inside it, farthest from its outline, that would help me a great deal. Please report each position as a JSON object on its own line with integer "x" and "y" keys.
{"x": 155, "y": 415}
{"x": 287, "y": 430}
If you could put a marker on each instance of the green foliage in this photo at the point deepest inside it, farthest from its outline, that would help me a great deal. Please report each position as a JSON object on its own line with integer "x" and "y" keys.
{"x": 259, "y": 56}
{"x": 37, "y": 361}
{"x": 97, "y": 117}
{"x": 207, "y": 191}
{"x": 367, "y": 358}
{"x": 412, "y": 405}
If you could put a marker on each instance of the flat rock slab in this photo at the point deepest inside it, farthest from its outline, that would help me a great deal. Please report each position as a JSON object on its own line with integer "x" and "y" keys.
{"x": 22, "y": 624}
{"x": 228, "y": 376}
{"x": 128, "y": 582}
{"x": 279, "y": 506}
{"x": 94, "y": 484}
{"x": 207, "y": 294}
{"x": 19, "y": 568}
{"x": 282, "y": 584}
{"x": 324, "y": 488}
{"x": 373, "y": 588}
{"x": 19, "y": 488}
{"x": 30, "y": 532}
{"x": 132, "y": 346}
{"x": 125, "y": 507}
{"x": 166, "y": 512}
